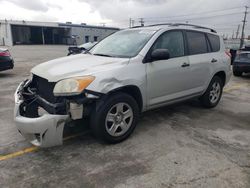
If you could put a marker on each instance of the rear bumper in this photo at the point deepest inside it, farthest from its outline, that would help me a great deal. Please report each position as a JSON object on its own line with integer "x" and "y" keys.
{"x": 43, "y": 131}
{"x": 5, "y": 65}
{"x": 243, "y": 68}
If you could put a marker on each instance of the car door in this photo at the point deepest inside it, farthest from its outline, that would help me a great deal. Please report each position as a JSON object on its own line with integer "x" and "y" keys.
{"x": 168, "y": 79}
{"x": 200, "y": 58}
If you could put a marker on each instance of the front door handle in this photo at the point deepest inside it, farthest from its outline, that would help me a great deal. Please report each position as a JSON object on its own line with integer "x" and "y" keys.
{"x": 213, "y": 60}
{"x": 185, "y": 65}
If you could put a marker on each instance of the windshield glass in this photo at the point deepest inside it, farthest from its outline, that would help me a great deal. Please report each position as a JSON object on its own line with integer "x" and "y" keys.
{"x": 126, "y": 43}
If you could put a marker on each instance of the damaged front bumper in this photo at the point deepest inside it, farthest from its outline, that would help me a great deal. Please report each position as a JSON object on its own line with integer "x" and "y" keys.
{"x": 45, "y": 130}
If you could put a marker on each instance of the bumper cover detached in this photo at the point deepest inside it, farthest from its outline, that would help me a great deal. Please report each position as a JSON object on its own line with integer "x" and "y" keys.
{"x": 45, "y": 130}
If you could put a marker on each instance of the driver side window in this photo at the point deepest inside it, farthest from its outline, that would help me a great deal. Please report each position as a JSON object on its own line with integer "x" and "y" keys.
{"x": 173, "y": 41}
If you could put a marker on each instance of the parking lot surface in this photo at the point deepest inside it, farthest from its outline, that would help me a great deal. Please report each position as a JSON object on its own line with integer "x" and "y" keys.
{"x": 183, "y": 145}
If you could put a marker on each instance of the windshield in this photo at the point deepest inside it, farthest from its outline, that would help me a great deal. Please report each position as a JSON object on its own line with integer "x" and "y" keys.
{"x": 126, "y": 43}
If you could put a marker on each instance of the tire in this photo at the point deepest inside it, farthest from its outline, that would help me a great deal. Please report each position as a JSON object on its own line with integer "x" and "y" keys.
{"x": 236, "y": 73}
{"x": 108, "y": 120}
{"x": 213, "y": 93}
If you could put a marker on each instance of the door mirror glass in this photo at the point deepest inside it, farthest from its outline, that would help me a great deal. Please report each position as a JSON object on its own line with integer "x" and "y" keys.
{"x": 160, "y": 54}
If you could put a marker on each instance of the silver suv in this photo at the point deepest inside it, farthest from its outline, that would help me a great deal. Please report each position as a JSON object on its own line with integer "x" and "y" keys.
{"x": 129, "y": 72}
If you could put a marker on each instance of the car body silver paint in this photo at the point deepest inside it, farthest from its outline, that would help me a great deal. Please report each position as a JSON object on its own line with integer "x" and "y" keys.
{"x": 157, "y": 88}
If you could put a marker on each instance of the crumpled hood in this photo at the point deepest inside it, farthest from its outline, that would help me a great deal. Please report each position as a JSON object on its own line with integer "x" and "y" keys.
{"x": 76, "y": 65}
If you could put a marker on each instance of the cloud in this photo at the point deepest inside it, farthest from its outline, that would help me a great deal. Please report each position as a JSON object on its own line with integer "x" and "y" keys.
{"x": 160, "y": 11}
{"x": 117, "y": 12}
{"x": 54, "y": 5}
{"x": 35, "y": 5}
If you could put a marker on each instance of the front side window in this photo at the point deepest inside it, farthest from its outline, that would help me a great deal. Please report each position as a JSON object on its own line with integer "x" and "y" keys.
{"x": 126, "y": 43}
{"x": 197, "y": 43}
{"x": 173, "y": 42}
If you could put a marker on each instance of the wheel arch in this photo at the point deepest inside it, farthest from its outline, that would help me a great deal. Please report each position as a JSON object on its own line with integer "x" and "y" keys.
{"x": 131, "y": 90}
{"x": 222, "y": 76}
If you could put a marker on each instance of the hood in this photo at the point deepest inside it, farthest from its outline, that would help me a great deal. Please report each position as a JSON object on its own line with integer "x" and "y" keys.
{"x": 76, "y": 65}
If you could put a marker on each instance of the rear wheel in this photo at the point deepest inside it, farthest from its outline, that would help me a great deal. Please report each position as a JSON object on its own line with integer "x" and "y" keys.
{"x": 213, "y": 93}
{"x": 115, "y": 118}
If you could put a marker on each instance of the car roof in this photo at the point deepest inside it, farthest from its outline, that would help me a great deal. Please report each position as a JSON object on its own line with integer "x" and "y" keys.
{"x": 2, "y": 49}
{"x": 170, "y": 26}
{"x": 244, "y": 52}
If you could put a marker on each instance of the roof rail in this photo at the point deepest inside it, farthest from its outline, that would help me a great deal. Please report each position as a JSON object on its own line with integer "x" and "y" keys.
{"x": 181, "y": 24}
{"x": 138, "y": 26}
{"x": 192, "y": 25}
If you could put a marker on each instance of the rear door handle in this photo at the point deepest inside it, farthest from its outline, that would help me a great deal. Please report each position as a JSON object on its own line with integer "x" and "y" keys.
{"x": 213, "y": 60}
{"x": 185, "y": 65}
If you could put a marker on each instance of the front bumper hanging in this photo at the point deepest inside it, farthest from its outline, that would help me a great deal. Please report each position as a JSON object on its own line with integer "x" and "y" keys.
{"x": 43, "y": 131}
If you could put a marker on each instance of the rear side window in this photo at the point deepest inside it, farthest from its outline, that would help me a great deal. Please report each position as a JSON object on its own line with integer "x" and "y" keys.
{"x": 214, "y": 42}
{"x": 197, "y": 43}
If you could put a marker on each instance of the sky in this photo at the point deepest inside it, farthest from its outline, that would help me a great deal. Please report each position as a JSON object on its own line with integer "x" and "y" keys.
{"x": 223, "y": 15}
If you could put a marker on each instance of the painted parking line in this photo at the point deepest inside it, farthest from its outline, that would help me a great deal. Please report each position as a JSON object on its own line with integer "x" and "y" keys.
{"x": 35, "y": 148}
{"x": 18, "y": 153}
{"x": 235, "y": 87}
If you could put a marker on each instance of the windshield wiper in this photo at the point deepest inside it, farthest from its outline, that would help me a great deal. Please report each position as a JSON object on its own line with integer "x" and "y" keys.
{"x": 87, "y": 52}
{"x": 105, "y": 55}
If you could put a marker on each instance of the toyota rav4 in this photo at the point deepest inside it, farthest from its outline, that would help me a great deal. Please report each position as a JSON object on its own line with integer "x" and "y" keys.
{"x": 129, "y": 72}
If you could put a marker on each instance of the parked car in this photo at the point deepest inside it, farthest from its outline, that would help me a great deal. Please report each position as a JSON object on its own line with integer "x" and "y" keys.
{"x": 241, "y": 63}
{"x": 6, "y": 61}
{"x": 81, "y": 48}
{"x": 129, "y": 72}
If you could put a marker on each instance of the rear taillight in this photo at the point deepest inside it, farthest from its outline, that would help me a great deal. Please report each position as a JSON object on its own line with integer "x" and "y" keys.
{"x": 5, "y": 53}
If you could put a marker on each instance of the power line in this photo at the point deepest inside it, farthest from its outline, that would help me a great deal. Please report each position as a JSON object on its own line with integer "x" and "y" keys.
{"x": 174, "y": 16}
{"x": 197, "y": 18}
{"x": 191, "y": 14}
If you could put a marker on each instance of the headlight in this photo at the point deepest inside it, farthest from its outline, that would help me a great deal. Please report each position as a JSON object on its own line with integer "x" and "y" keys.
{"x": 72, "y": 86}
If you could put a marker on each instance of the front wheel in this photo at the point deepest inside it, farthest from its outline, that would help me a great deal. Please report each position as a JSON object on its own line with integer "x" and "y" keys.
{"x": 213, "y": 93}
{"x": 114, "y": 118}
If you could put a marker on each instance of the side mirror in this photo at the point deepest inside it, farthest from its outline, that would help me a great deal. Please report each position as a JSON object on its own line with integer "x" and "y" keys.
{"x": 160, "y": 54}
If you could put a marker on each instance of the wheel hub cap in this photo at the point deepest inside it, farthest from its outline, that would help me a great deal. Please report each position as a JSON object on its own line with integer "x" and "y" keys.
{"x": 215, "y": 92}
{"x": 119, "y": 119}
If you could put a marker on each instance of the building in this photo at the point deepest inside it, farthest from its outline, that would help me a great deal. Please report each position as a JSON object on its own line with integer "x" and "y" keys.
{"x": 28, "y": 32}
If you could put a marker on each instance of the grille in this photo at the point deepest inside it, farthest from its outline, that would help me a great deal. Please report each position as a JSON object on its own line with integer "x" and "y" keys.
{"x": 44, "y": 88}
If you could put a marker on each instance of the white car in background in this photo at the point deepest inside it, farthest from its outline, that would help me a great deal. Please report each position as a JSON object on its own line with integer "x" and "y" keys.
{"x": 73, "y": 50}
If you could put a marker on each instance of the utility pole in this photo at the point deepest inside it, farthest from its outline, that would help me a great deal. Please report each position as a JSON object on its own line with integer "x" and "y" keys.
{"x": 238, "y": 31}
{"x": 132, "y": 23}
{"x": 142, "y": 21}
{"x": 243, "y": 28}
{"x": 233, "y": 35}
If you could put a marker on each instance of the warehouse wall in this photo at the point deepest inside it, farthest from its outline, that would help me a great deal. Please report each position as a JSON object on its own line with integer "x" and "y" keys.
{"x": 5, "y": 34}
{"x": 90, "y": 34}
{"x": 26, "y": 32}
